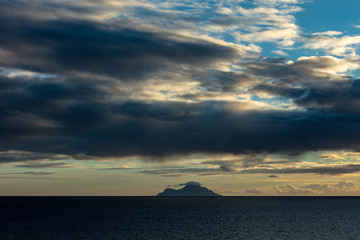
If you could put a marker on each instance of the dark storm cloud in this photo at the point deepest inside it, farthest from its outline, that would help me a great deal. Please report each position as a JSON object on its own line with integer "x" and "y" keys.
{"x": 176, "y": 111}
{"x": 61, "y": 45}
{"x": 334, "y": 96}
{"x": 45, "y": 107}
{"x": 158, "y": 131}
{"x": 310, "y": 83}
{"x": 341, "y": 96}
{"x": 223, "y": 132}
{"x": 218, "y": 81}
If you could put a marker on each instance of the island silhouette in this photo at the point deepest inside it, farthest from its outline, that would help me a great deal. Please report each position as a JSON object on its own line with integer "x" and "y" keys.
{"x": 190, "y": 189}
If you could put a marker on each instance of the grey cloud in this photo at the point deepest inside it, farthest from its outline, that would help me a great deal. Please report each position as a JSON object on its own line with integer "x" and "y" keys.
{"x": 245, "y": 161}
{"x": 173, "y": 175}
{"x": 340, "y": 187}
{"x": 342, "y": 96}
{"x": 115, "y": 168}
{"x": 289, "y": 189}
{"x": 44, "y": 165}
{"x": 176, "y": 111}
{"x": 252, "y": 191}
{"x": 191, "y": 183}
{"x": 305, "y": 70}
{"x": 310, "y": 82}
{"x": 170, "y": 172}
{"x": 318, "y": 187}
{"x": 30, "y": 173}
{"x": 107, "y": 129}
{"x": 346, "y": 185}
{"x": 62, "y": 45}
{"x": 226, "y": 166}
{"x": 331, "y": 170}
{"x": 36, "y": 173}
{"x": 22, "y": 156}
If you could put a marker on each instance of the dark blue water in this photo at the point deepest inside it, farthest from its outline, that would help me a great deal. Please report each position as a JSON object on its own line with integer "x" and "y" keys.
{"x": 179, "y": 218}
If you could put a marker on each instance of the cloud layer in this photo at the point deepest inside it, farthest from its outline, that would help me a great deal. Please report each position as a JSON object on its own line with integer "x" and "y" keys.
{"x": 106, "y": 79}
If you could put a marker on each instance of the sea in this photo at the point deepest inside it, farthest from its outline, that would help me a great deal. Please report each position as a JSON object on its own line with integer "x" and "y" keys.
{"x": 129, "y": 218}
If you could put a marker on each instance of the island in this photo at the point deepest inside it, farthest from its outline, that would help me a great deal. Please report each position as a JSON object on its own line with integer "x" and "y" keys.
{"x": 190, "y": 189}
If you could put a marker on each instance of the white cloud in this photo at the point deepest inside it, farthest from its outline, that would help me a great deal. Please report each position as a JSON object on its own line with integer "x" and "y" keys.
{"x": 339, "y": 46}
{"x": 327, "y": 33}
{"x": 326, "y": 65}
{"x": 269, "y": 24}
{"x": 277, "y": 2}
{"x": 280, "y": 52}
{"x": 269, "y": 20}
{"x": 284, "y": 36}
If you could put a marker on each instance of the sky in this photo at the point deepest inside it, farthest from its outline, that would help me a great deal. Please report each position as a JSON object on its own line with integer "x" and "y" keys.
{"x": 118, "y": 98}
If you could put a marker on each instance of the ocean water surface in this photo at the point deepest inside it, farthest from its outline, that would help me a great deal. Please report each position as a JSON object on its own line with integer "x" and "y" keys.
{"x": 179, "y": 218}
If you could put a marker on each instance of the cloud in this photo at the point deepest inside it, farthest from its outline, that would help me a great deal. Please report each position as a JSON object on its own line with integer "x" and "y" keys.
{"x": 339, "y": 46}
{"x": 311, "y": 82}
{"x": 174, "y": 128}
{"x": 247, "y": 161}
{"x": 182, "y": 171}
{"x": 262, "y": 167}
{"x": 305, "y": 73}
{"x": 326, "y": 170}
{"x": 318, "y": 187}
{"x": 342, "y": 187}
{"x": 325, "y": 64}
{"x": 347, "y": 185}
{"x": 115, "y": 168}
{"x": 290, "y": 189}
{"x": 252, "y": 191}
{"x": 36, "y": 158}
{"x": 44, "y": 165}
{"x": 64, "y": 46}
{"x": 278, "y": 2}
{"x": 78, "y": 83}
{"x": 270, "y": 24}
{"x": 191, "y": 183}
{"x": 29, "y": 173}
{"x": 260, "y": 21}
{"x": 327, "y": 33}
{"x": 280, "y": 52}
{"x": 269, "y": 165}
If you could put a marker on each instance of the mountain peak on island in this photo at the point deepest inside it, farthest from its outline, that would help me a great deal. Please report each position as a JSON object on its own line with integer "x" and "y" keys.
{"x": 190, "y": 189}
